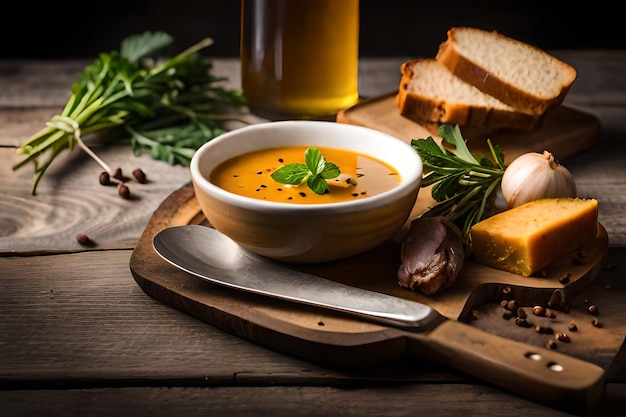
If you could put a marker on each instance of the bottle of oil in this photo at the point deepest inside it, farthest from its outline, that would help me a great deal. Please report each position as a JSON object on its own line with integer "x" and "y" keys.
{"x": 299, "y": 59}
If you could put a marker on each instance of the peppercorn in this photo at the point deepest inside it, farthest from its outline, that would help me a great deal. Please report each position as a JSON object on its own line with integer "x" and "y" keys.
{"x": 124, "y": 192}
{"x": 140, "y": 176}
{"x": 105, "y": 178}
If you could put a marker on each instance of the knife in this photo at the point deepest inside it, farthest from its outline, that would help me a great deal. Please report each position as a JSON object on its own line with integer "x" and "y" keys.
{"x": 539, "y": 374}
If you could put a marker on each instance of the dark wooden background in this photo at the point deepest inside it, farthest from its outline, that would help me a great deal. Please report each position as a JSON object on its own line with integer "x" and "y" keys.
{"x": 68, "y": 29}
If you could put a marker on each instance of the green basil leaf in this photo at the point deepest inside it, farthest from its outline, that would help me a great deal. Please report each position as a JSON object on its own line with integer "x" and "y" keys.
{"x": 315, "y": 161}
{"x": 294, "y": 174}
{"x": 330, "y": 171}
{"x": 318, "y": 185}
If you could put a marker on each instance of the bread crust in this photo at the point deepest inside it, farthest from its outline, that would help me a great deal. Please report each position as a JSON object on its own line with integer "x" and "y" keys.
{"x": 483, "y": 79}
{"x": 428, "y": 110}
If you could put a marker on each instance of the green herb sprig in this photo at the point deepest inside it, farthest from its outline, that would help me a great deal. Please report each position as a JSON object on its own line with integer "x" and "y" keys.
{"x": 463, "y": 186}
{"x": 315, "y": 171}
{"x": 170, "y": 108}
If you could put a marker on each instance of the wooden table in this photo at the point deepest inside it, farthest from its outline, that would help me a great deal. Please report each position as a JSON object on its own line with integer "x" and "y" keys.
{"x": 79, "y": 337}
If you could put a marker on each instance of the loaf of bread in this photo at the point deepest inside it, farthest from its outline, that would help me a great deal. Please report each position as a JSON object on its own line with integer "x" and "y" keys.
{"x": 525, "y": 239}
{"x": 516, "y": 73}
{"x": 430, "y": 93}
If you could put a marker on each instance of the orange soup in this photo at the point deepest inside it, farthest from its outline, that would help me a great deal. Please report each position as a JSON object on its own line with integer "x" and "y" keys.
{"x": 250, "y": 175}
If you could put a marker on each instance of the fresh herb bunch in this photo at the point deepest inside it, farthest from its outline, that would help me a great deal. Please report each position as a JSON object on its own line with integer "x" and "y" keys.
{"x": 315, "y": 171}
{"x": 169, "y": 108}
{"x": 462, "y": 185}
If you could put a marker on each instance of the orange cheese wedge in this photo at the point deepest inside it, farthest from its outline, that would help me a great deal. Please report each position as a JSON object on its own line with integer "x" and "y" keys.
{"x": 527, "y": 238}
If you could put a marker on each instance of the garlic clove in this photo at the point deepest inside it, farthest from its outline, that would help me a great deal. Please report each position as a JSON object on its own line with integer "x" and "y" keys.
{"x": 432, "y": 255}
{"x": 533, "y": 176}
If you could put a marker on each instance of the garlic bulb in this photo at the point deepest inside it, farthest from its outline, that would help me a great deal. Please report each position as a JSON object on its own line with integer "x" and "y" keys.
{"x": 532, "y": 176}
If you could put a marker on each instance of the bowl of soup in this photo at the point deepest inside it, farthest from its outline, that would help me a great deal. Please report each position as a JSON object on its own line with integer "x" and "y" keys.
{"x": 306, "y": 191}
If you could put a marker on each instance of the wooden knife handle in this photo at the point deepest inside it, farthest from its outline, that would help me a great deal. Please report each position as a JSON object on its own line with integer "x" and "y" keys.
{"x": 539, "y": 374}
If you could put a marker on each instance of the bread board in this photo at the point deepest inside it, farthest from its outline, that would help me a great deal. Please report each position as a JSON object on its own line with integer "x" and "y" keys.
{"x": 565, "y": 132}
{"x": 334, "y": 339}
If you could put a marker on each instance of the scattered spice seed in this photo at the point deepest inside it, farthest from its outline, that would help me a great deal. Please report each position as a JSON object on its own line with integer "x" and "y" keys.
{"x": 503, "y": 303}
{"x": 521, "y": 313}
{"x": 562, "y": 337}
{"x": 556, "y": 300}
{"x": 539, "y": 311}
{"x": 596, "y": 323}
{"x": 550, "y": 314}
{"x": 565, "y": 279}
{"x": 123, "y": 192}
{"x": 105, "y": 178}
{"x": 572, "y": 326}
{"x": 593, "y": 309}
{"x": 84, "y": 240}
{"x": 521, "y": 322}
{"x": 119, "y": 175}
{"x": 512, "y": 305}
{"x": 140, "y": 176}
{"x": 552, "y": 344}
{"x": 507, "y": 315}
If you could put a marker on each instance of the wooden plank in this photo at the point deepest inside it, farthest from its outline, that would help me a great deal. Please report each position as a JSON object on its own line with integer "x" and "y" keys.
{"x": 375, "y": 399}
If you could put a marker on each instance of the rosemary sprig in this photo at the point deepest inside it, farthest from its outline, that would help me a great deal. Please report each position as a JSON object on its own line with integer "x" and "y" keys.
{"x": 463, "y": 186}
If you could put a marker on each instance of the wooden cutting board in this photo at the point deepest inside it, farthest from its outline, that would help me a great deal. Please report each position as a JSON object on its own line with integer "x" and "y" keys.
{"x": 565, "y": 131}
{"x": 335, "y": 339}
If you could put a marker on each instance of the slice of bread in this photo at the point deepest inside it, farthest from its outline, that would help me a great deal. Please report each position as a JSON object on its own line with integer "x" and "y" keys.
{"x": 430, "y": 94}
{"x": 518, "y": 74}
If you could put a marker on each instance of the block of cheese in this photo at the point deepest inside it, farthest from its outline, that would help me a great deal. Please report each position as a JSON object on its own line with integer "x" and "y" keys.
{"x": 527, "y": 238}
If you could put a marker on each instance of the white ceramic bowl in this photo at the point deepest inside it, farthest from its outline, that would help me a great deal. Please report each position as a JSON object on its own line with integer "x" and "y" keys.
{"x": 307, "y": 233}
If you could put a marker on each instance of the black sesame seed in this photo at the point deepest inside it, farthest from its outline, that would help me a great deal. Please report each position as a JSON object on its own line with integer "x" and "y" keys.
{"x": 302, "y": 194}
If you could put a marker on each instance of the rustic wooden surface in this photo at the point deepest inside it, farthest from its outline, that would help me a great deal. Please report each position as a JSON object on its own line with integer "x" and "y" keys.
{"x": 79, "y": 336}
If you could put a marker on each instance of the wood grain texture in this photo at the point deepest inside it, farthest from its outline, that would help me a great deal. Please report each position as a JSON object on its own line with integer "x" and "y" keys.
{"x": 334, "y": 339}
{"x": 80, "y": 337}
{"x": 70, "y": 201}
{"x": 376, "y": 399}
